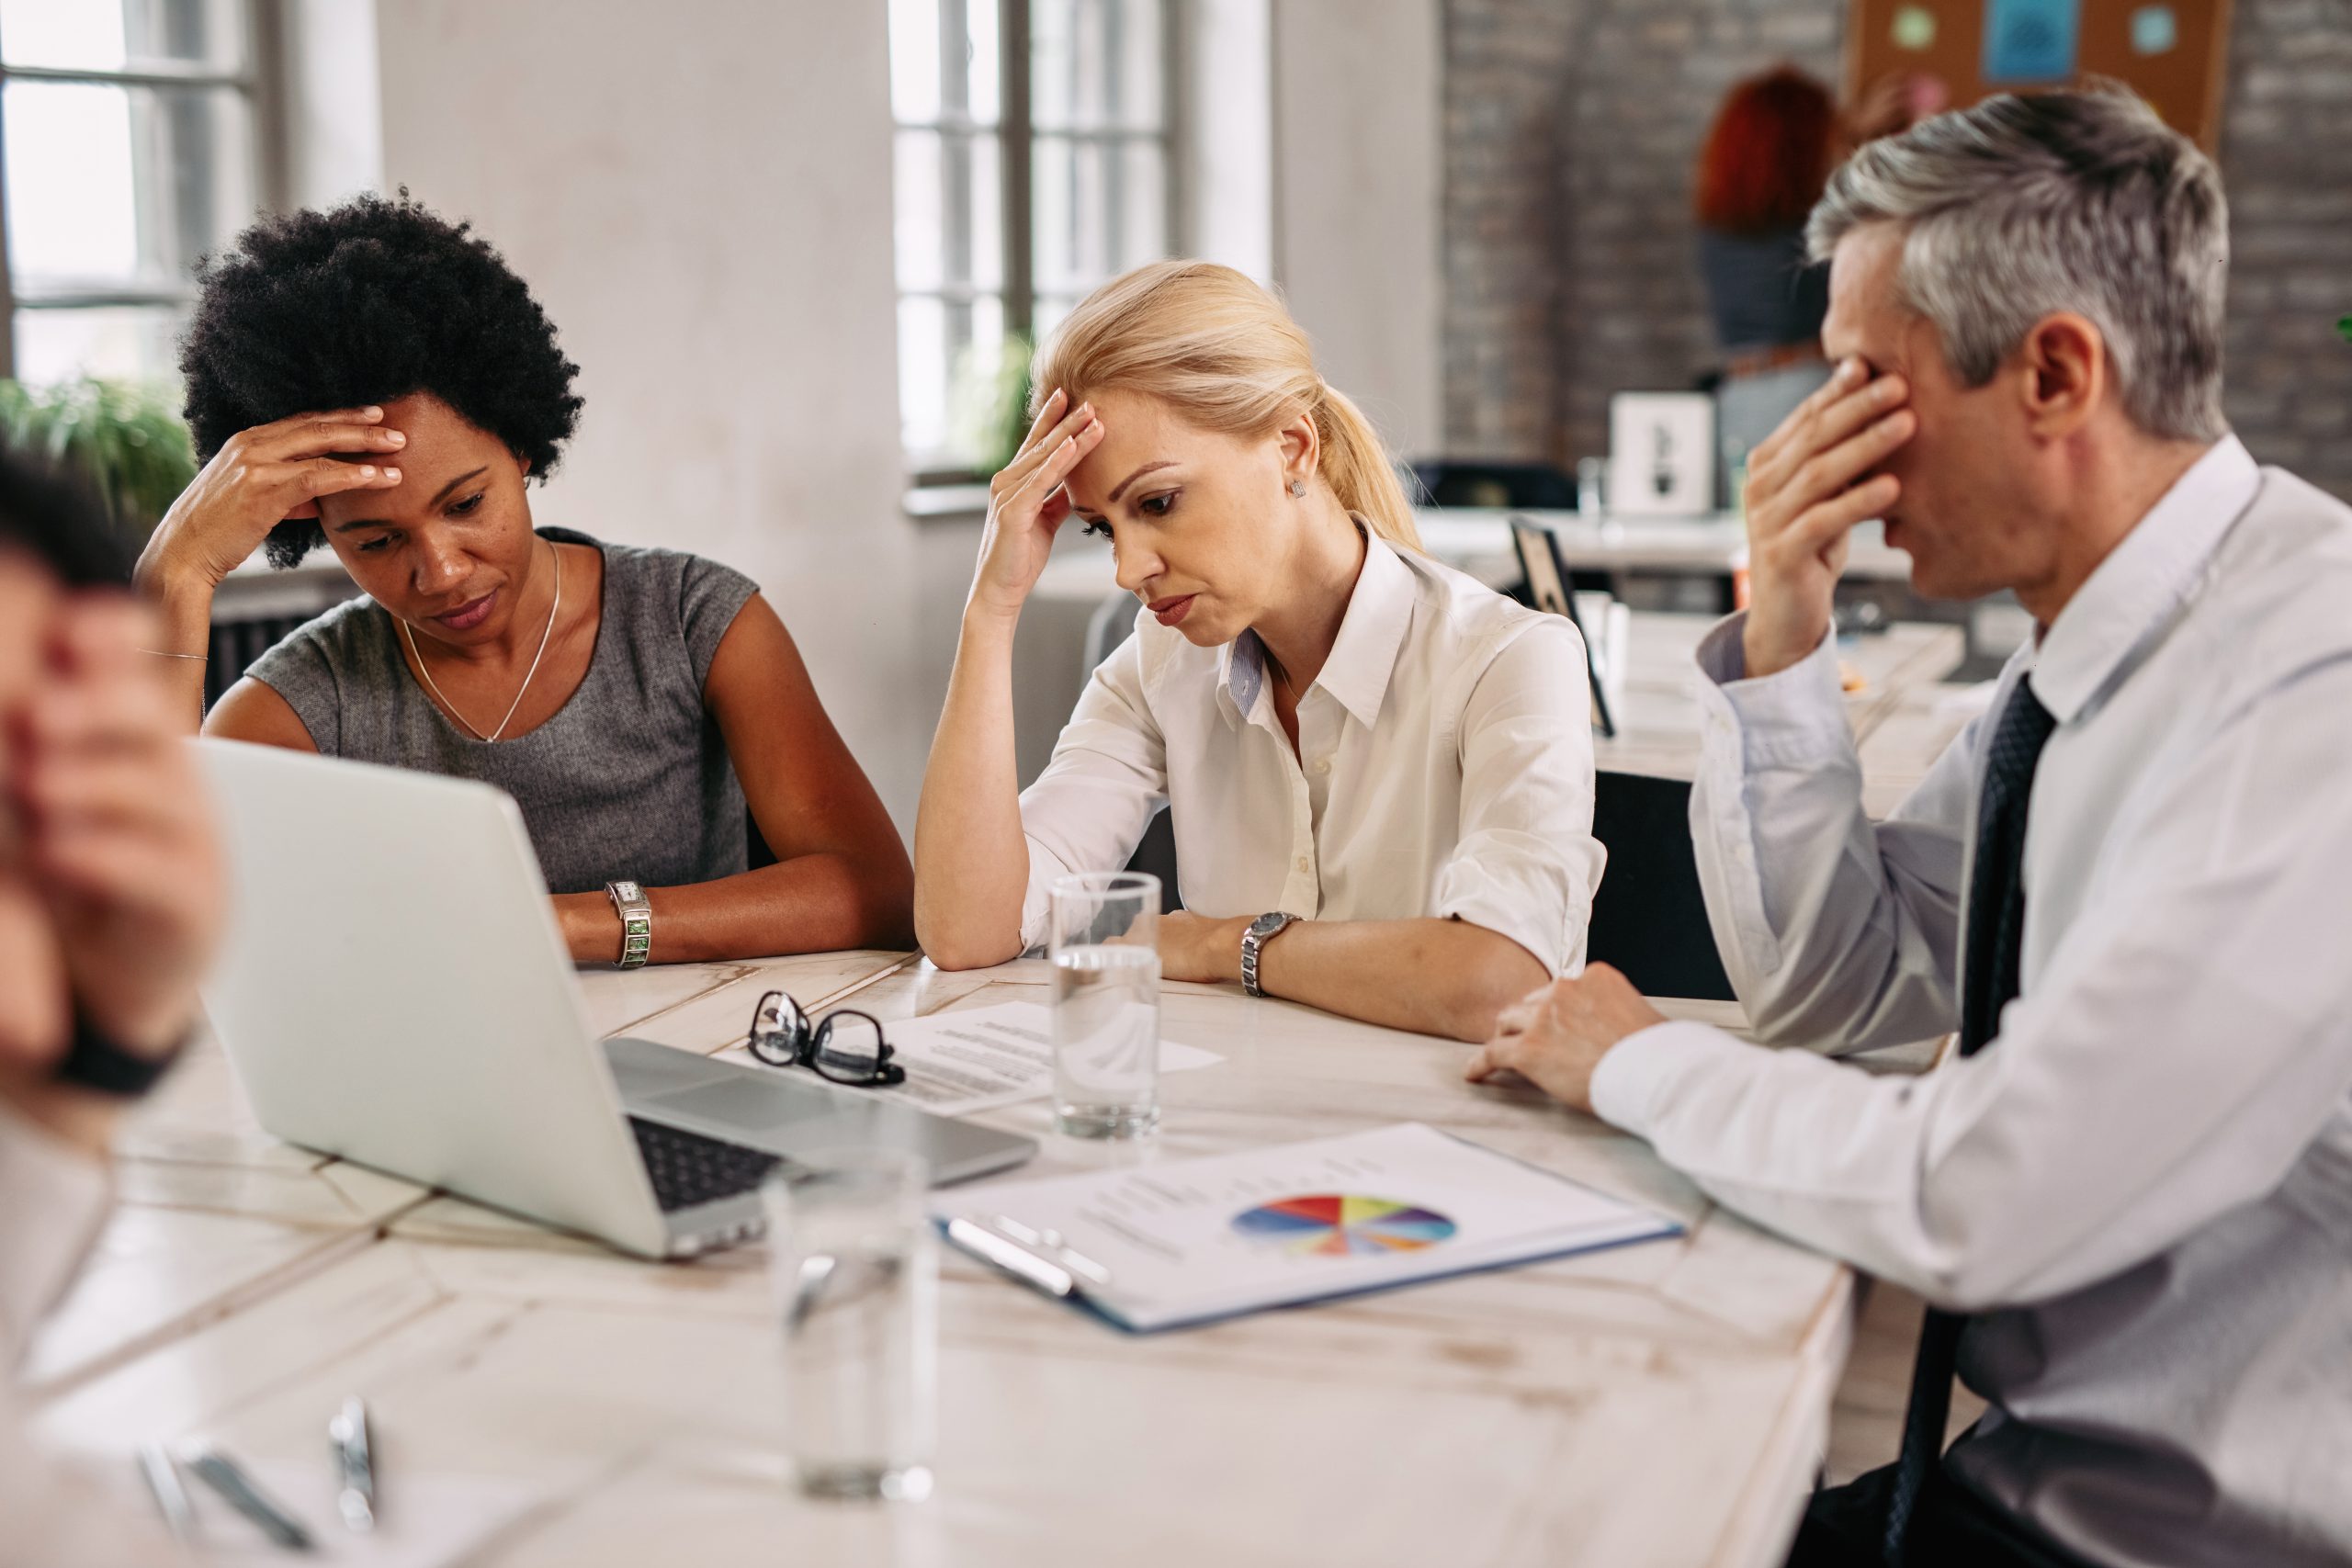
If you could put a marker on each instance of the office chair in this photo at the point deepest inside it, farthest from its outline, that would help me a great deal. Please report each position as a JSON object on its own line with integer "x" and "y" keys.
{"x": 1649, "y": 918}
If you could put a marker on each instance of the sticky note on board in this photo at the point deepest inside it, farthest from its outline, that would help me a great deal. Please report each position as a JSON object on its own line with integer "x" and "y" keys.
{"x": 2030, "y": 41}
{"x": 1913, "y": 28}
{"x": 2154, "y": 30}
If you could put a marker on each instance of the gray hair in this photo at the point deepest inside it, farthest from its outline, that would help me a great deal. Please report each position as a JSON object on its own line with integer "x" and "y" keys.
{"x": 2022, "y": 206}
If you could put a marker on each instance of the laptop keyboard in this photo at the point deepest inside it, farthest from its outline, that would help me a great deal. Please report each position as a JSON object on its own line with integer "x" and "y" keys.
{"x": 688, "y": 1169}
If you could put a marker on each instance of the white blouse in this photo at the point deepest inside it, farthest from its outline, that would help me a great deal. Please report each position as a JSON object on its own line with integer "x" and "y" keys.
{"x": 1448, "y": 769}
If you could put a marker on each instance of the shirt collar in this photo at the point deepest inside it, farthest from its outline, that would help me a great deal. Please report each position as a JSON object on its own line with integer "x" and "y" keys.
{"x": 2142, "y": 580}
{"x": 1362, "y": 656}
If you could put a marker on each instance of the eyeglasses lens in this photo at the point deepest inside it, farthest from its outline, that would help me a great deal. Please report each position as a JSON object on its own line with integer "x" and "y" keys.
{"x": 849, "y": 1048}
{"x": 777, "y": 1029}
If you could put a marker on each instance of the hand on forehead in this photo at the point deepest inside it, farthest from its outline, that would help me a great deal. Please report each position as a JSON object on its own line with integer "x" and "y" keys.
{"x": 441, "y": 447}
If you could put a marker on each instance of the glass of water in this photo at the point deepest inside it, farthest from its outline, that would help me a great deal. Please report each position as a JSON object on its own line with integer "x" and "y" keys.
{"x": 1104, "y": 945}
{"x": 857, "y": 1268}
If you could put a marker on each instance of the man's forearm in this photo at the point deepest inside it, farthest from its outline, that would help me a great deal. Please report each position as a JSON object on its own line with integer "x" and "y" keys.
{"x": 1836, "y": 933}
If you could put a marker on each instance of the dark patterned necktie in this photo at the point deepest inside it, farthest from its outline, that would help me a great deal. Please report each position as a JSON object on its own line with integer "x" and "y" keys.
{"x": 1988, "y": 984}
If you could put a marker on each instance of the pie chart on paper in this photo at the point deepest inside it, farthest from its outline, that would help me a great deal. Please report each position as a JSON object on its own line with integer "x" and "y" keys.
{"x": 1342, "y": 1225}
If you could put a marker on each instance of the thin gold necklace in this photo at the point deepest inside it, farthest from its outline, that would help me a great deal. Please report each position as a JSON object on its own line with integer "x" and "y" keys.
{"x": 434, "y": 686}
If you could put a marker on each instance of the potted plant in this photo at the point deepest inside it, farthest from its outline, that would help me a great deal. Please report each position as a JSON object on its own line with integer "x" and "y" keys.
{"x": 123, "y": 438}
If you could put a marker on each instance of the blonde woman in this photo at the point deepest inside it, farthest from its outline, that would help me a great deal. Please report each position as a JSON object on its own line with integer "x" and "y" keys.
{"x": 1379, "y": 770}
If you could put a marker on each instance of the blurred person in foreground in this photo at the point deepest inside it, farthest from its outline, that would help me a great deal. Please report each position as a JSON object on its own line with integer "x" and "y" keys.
{"x": 110, "y": 899}
{"x": 2127, "y": 1193}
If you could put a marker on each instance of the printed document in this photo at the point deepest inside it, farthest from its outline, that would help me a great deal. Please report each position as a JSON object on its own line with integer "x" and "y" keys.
{"x": 961, "y": 1062}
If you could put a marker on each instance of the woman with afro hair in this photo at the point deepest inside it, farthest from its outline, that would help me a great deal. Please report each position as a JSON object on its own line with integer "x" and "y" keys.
{"x": 377, "y": 380}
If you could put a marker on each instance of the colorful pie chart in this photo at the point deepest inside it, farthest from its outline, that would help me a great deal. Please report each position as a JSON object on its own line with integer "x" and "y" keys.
{"x": 1342, "y": 1225}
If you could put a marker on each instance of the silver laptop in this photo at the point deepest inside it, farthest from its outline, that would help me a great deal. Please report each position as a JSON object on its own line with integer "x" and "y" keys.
{"x": 394, "y": 991}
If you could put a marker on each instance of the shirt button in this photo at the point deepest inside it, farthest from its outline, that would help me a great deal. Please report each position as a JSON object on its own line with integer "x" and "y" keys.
{"x": 1322, "y": 764}
{"x": 1305, "y": 864}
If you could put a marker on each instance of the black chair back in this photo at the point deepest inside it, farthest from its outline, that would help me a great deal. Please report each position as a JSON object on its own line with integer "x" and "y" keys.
{"x": 1649, "y": 918}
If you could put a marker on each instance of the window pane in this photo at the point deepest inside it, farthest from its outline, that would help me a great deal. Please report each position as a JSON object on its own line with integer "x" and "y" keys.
{"x": 914, "y": 59}
{"x": 110, "y": 35}
{"x": 122, "y": 186}
{"x": 1048, "y": 313}
{"x": 944, "y": 60}
{"x": 949, "y": 209}
{"x": 922, "y": 373}
{"x": 1096, "y": 65}
{"x": 979, "y": 390}
{"x": 947, "y": 349}
{"x": 1100, "y": 206}
{"x": 130, "y": 343}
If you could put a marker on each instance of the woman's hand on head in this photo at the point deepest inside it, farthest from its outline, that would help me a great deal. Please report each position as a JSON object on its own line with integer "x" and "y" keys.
{"x": 1027, "y": 505}
{"x": 259, "y": 478}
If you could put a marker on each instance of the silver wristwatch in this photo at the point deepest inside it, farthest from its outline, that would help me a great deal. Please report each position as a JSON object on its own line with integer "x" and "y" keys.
{"x": 1262, "y": 931}
{"x": 636, "y": 923}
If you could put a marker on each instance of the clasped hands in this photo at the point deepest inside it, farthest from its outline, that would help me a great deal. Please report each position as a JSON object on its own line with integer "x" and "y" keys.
{"x": 1555, "y": 1037}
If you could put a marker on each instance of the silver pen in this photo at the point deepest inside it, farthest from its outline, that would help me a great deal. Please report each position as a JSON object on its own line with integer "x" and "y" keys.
{"x": 220, "y": 1472}
{"x": 164, "y": 1480}
{"x": 355, "y": 1466}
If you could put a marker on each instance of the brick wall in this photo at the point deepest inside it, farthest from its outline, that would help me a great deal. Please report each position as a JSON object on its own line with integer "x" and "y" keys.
{"x": 1571, "y": 126}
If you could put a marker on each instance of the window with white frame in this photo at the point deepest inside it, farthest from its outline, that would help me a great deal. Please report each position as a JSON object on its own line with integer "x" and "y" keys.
{"x": 130, "y": 144}
{"x": 1033, "y": 162}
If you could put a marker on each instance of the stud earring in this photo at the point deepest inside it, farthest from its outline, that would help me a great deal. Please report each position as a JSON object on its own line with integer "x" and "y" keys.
{"x": 1297, "y": 489}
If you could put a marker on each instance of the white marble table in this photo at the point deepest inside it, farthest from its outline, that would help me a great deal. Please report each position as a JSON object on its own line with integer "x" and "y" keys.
{"x": 539, "y": 1400}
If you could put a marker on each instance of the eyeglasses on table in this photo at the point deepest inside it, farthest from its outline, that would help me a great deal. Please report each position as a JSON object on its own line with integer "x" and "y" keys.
{"x": 846, "y": 1047}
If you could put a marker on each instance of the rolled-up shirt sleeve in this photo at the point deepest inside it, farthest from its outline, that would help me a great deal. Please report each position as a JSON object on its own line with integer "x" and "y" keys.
{"x": 1835, "y": 931}
{"x": 1109, "y": 774}
{"x": 1526, "y": 864}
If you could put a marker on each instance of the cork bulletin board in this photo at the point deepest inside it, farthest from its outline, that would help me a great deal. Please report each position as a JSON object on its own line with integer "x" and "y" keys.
{"x": 2171, "y": 52}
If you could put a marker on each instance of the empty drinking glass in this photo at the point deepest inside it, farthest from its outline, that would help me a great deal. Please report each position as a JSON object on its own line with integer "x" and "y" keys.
{"x": 1104, "y": 943}
{"x": 856, "y": 1272}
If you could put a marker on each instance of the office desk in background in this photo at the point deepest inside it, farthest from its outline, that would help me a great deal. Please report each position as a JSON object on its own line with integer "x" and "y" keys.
{"x": 1476, "y": 540}
{"x": 538, "y": 1400}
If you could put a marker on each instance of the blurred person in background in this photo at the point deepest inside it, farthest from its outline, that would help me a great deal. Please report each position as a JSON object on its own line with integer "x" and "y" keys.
{"x": 111, "y": 900}
{"x": 1765, "y": 163}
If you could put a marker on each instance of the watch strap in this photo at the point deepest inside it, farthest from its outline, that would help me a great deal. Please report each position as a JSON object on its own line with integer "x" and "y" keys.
{"x": 635, "y": 911}
{"x": 94, "y": 1061}
{"x": 1262, "y": 930}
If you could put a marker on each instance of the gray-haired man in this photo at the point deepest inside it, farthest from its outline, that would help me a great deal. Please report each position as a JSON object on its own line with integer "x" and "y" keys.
{"x": 2129, "y": 885}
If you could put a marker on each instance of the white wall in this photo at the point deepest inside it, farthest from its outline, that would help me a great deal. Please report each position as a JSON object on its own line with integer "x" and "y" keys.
{"x": 1358, "y": 160}
{"x": 334, "y": 120}
{"x": 699, "y": 192}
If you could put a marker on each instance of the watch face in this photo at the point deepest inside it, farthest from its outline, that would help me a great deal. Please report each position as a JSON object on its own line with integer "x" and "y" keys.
{"x": 1266, "y": 925}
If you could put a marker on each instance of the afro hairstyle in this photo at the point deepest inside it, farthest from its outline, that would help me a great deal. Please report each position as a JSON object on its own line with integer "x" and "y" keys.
{"x": 371, "y": 301}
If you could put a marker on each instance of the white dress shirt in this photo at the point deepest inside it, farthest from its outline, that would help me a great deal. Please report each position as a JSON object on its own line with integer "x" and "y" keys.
{"x": 1447, "y": 768}
{"x": 2143, "y": 1183}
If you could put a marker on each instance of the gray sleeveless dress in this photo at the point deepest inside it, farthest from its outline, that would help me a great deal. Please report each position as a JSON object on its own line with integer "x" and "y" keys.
{"x": 629, "y": 779}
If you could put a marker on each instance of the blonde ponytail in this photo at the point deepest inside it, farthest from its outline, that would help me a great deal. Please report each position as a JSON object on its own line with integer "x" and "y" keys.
{"x": 1361, "y": 473}
{"x": 1227, "y": 355}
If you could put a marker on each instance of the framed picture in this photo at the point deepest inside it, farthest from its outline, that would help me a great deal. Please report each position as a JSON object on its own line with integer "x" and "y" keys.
{"x": 1661, "y": 455}
{"x": 1547, "y": 589}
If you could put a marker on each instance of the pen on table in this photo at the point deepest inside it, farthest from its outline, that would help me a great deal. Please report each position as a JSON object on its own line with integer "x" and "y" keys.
{"x": 163, "y": 1481}
{"x": 355, "y": 1465}
{"x": 220, "y": 1472}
